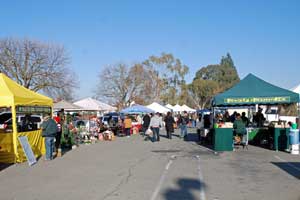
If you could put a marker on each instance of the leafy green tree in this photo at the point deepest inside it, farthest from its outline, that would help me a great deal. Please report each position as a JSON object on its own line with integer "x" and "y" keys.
{"x": 213, "y": 79}
{"x": 225, "y": 73}
{"x": 171, "y": 73}
{"x": 202, "y": 92}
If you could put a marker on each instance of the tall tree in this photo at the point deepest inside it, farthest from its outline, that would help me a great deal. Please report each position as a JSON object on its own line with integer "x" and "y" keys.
{"x": 171, "y": 73}
{"x": 202, "y": 92}
{"x": 213, "y": 79}
{"x": 225, "y": 73}
{"x": 121, "y": 84}
{"x": 38, "y": 66}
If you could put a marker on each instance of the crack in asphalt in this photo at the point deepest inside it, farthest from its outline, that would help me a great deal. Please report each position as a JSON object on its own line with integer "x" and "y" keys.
{"x": 124, "y": 180}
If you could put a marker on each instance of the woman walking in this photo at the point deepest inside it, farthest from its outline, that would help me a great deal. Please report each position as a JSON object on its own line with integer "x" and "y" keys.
{"x": 155, "y": 124}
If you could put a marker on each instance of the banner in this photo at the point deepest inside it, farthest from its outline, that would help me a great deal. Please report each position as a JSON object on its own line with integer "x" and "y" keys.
{"x": 256, "y": 100}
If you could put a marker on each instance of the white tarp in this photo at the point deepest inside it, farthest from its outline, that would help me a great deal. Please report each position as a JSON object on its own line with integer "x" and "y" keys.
{"x": 158, "y": 108}
{"x": 93, "y": 104}
{"x": 188, "y": 109}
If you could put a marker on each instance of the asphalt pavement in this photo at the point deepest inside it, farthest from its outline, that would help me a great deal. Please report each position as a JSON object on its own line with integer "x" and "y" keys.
{"x": 131, "y": 168}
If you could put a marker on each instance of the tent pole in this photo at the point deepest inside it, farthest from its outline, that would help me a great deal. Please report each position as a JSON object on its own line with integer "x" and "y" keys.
{"x": 15, "y": 132}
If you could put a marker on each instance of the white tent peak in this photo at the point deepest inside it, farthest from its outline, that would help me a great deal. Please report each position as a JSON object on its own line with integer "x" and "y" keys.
{"x": 93, "y": 104}
{"x": 188, "y": 109}
{"x": 158, "y": 108}
{"x": 169, "y": 106}
{"x": 177, "y": 108}
{"x": 296, "y": 89}
{"x": 63, "y": 104}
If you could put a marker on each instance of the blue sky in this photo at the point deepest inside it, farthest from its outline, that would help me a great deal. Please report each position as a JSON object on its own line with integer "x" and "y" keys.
{"x": 262, "y": 36}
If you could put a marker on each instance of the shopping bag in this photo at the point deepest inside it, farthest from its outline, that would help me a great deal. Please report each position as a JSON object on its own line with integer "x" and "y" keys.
{"x": 149, "y": 132}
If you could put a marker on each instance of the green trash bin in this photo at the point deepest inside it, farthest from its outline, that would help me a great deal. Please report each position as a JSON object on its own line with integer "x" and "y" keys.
{"x": 223, "y": 139}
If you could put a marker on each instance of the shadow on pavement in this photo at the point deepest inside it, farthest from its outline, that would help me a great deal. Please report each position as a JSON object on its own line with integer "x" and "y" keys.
{"x": 194, "y": 137}
{"x": 292, "y": 168}
{"x": 186, "y": 190}
{"x": 4, "y": 166}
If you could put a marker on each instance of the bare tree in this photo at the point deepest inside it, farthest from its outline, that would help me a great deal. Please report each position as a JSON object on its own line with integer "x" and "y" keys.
{"x": 38, "y": 66}
{"x": 120, "y": 84}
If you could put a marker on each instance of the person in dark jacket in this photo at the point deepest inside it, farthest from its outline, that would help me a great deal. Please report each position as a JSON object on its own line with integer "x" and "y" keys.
{"x": 239, "y": 129}
{"x": 146, "y": 123}
{"x": 49, "y": 131}
{"x": 183, "y": 125}
{"x": 169, "y": 124}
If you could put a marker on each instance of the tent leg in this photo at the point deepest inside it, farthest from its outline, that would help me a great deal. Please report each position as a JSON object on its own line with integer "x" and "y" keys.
{"x": 15, "y": 133}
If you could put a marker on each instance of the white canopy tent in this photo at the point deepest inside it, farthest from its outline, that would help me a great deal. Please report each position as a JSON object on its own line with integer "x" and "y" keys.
{"x": 169, "y": 106}
{"x": 68, "y": 106}
{"x": 90, "y": 104}
{"x": 188, "y": 109}
{"x": 296, "y": 89}
{"x": 158, "y": 108}
{"x": 177, "y": 108}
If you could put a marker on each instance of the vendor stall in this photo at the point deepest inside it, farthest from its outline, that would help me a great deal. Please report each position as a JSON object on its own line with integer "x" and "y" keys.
{"x": 253, "y": 91}
{"x": 134, "y": 112}
{"x": 21, "y": 103}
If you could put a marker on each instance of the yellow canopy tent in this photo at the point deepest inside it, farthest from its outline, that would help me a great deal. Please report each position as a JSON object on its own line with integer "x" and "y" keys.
{"x": 18, "y": 97}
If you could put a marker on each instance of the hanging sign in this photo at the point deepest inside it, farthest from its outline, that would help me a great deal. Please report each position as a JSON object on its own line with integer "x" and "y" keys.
{"x": 33, "y": 109}
{"x": 253, "y": 100}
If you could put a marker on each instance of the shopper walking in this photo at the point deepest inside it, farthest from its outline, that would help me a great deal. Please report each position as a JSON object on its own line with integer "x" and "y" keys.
{"x": 155, "y": 124}
{"x": 49, "y": 131}
{"x": 169, "y": 124}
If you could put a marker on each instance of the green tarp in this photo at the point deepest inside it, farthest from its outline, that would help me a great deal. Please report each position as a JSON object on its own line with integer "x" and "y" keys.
{"x": 253, "y": 90}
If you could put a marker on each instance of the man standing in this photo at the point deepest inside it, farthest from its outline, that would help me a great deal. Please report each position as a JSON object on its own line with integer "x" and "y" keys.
{"x": 239, "y": 129}
{"x": 146, "y": 123}
{"x": 245, "y": 119}
{"x": 49, "y": 131}
{"x": 169, "y": 124}
{"x": 183, "y": 125}
{"x": 155, "y": 124}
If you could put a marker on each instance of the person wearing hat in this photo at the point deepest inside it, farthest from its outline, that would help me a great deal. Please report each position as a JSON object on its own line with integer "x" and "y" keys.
{"x": 49, "y": 131}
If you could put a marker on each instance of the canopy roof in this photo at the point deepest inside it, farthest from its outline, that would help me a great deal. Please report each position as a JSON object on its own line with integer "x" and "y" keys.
{"x": 296, "y": 89}
{"x": 94, "y": 105}
{"x": 253, "y": 90}
{"x": 11, "y": 93}
{"x": 177, "y": 108}
{"x": 137, "y": 109}
{"x": 158, "y": 108}
{"x": 169, "y": 106}
{"x": 66, "y": 106}
{"x": 188, "y": 109}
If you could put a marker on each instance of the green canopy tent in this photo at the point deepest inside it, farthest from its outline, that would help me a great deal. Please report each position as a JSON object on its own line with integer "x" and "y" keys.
{"x": 253, "y": 90}
{"x": 249, "y": 92}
